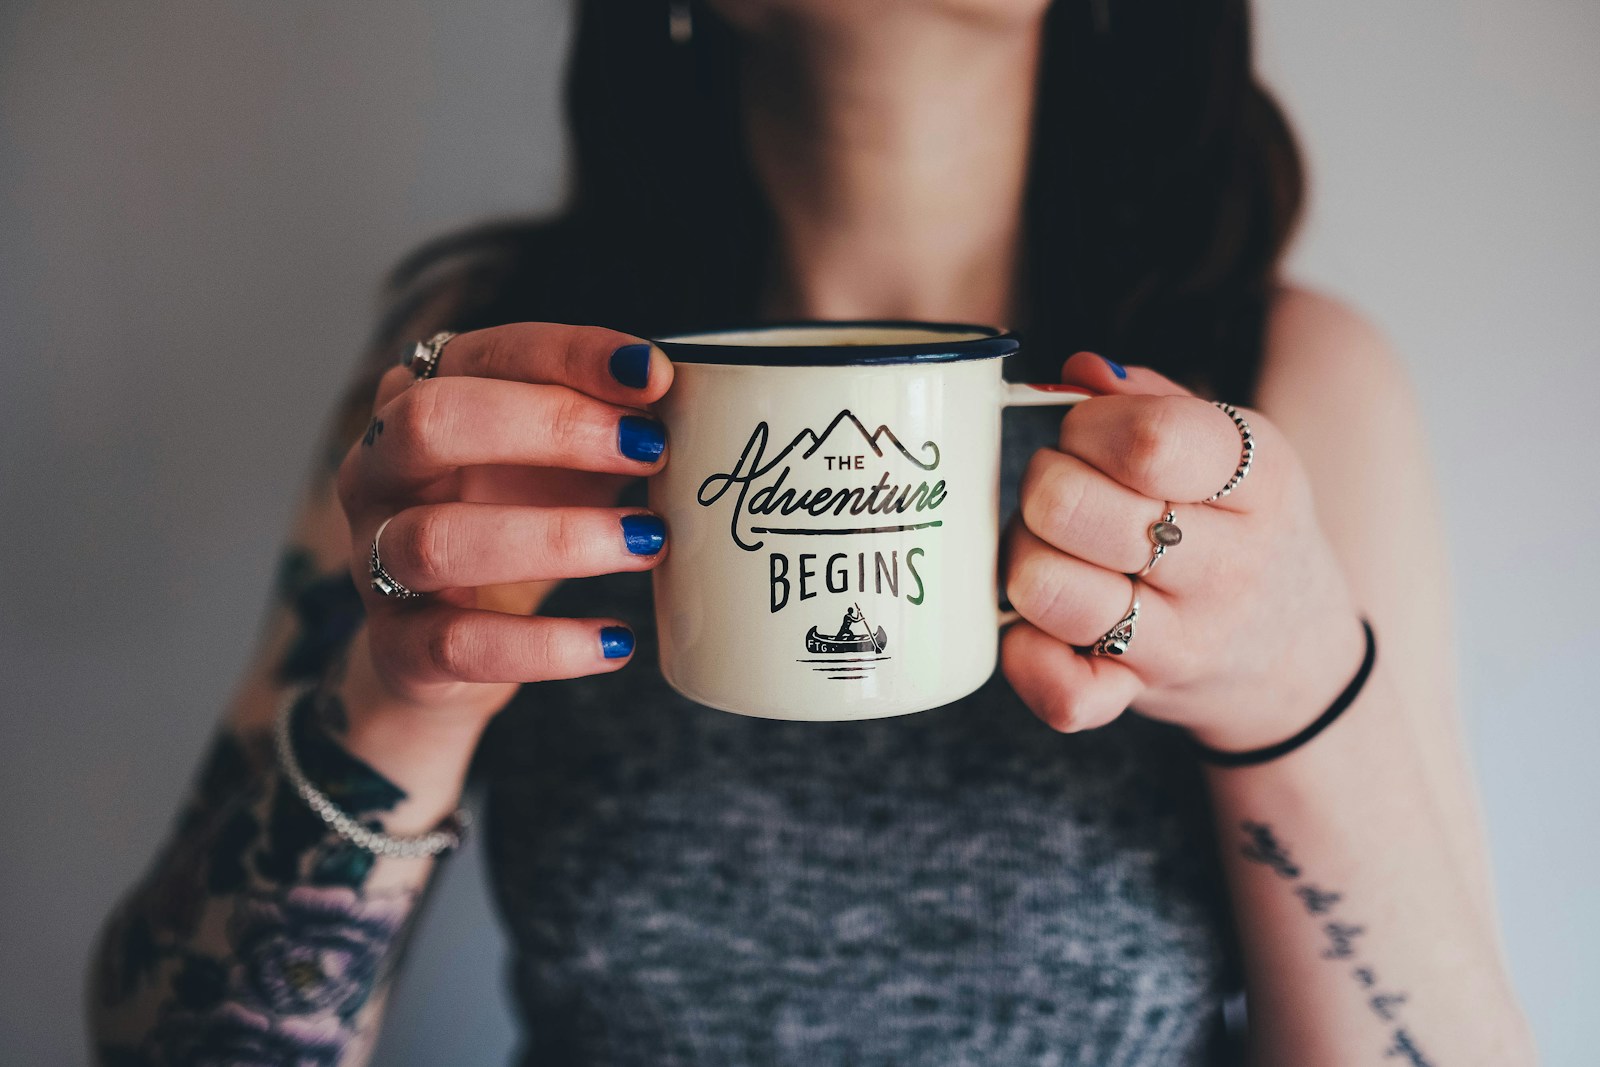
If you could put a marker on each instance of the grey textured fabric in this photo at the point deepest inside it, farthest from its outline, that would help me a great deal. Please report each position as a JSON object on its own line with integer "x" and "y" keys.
{"x": 962, "y": 886}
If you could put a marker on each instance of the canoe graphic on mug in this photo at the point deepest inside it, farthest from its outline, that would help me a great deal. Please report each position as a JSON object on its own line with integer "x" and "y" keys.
{"x": 854, "y": 635}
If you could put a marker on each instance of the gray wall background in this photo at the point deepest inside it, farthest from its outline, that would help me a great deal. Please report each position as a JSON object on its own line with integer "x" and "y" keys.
{"x": 196, "y": 199}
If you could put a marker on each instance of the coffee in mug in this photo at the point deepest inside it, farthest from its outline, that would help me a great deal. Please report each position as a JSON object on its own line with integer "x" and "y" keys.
{"x": 831, "y": 499}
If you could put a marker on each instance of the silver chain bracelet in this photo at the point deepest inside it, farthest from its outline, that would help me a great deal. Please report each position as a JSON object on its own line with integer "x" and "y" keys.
{"x": 431, "y": 843}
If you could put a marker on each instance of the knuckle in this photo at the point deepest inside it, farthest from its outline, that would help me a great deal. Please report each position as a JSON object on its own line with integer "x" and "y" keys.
{"x": 1030, "y": 588}
{"x": 570, "y": 416}
{"x": 497, "y": 347}
{"x": 577, "y": 353}
{"x": 1046, "y": 697}
{"x": 1063, "y": 711}
{"x": 427, "y": 546}
{"x": 1149, "y": 444}
{"x": 452, "y": 647}
{"x": 422, "y": 417}
{"x": 543, "y": 650}
{"x": 1051, "y": 500}
{"x": 565, "y": 537}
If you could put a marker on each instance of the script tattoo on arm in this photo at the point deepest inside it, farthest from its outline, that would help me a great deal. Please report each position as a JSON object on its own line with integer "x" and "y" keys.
{"x": 1261, "y": 845}
{"x": 256, "y": 937}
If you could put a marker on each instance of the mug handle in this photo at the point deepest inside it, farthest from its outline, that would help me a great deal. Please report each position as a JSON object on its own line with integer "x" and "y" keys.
{"x": 1029, "y": 395}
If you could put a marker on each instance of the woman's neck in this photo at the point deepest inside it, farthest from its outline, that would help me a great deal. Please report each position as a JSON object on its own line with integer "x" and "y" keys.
{"x": 893, "y": 150}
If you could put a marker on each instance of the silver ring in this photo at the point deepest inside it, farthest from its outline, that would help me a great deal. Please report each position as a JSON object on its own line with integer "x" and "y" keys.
{"x": 382, "y": 581}
{"x": 1247, "y": 452}
{"x": 1163, "y": 534}
{"x": 424, "y": 358}
{"x": 1115, "y": 641}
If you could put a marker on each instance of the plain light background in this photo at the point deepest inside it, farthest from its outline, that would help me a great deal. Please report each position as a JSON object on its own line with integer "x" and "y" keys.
{"x": 196, "y": 201}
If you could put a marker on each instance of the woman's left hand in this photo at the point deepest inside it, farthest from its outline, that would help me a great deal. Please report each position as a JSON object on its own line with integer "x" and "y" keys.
{"x": 1246, "y": 629}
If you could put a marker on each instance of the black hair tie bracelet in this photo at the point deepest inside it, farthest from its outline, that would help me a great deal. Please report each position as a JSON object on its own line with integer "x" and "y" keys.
{"x": 1219, "y": 758}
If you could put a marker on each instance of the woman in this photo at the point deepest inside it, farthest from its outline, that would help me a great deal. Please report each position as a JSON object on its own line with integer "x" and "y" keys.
{"x": 961, "y": 886}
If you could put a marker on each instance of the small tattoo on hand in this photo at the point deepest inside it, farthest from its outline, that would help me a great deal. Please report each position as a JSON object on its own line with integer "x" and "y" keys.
{"x": 374, "y": 428}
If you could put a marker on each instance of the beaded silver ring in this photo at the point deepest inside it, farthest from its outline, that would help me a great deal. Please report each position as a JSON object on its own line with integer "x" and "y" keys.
{"x": 1247, "y": 452}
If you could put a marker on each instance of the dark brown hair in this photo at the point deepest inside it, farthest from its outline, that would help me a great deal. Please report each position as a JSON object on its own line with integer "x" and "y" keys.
{"x": 1163, "y": 187}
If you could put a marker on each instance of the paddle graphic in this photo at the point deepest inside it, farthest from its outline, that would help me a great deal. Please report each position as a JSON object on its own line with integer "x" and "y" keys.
{"x": 876, "y": 646}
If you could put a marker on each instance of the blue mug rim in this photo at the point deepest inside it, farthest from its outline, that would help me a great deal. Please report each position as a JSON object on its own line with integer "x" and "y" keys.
{"x": 994, "y": 343}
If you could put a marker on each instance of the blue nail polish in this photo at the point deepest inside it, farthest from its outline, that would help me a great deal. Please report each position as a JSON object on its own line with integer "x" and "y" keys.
{"x": 616, "y": 642}
{"x": 630, "y": 365}
{"x": 1116, "y": 368}
{"x": 640, "y": 438}
{"x": 643, "y": 534}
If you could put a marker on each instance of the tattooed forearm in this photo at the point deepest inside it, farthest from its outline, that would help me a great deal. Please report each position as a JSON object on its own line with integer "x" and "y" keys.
{"x": 1316, "y": 901}
{"x": 327, "y": 612}
{"x": 1341, "y": 940}
{"x": 1263, "y": 848}
{"x": 1405, "y": 1048}
{"x": 256, "y": 938}
{"x": 1261, "y": 845}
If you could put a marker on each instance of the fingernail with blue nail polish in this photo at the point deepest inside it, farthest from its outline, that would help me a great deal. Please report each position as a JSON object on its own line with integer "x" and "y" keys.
{"x": 643, "y": 534}
{"x": 630, "y": 365}
{"x": 1116, "y": 368}
{"x": 616, "y": 642}
{"x": 640, "y": 438}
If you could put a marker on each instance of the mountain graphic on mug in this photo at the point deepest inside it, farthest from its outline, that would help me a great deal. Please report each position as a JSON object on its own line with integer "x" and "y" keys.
{"x": 827, "y": 476}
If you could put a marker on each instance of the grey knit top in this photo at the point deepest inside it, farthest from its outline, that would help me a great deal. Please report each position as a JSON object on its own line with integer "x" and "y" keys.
{"x": 962, "y": 886}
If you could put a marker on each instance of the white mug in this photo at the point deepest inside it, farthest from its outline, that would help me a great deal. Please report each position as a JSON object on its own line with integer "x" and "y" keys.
{"x": 831, "y": 496}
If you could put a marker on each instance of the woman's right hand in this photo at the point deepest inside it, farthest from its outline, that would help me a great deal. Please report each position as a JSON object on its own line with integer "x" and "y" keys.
{"x": 498, "y": 478}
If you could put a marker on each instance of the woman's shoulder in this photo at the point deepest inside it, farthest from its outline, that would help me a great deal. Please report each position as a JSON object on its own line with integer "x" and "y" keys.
{"x": 1313, "y": 338}
{"x": 1325, "y": 365}
{"x": 1335, "y": 386}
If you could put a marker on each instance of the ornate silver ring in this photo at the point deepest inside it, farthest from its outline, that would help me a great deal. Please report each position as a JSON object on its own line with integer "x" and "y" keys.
{"x": 1163, "y": 533}
{"x": 382, "y": 580}
{"x": 1115, "y": 641}
{"x": 424, "y": 358}
{"x": 1247, "y": 452}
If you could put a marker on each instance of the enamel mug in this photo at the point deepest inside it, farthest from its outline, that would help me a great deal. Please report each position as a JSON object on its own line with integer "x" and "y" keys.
{"x": 831, "y": 496}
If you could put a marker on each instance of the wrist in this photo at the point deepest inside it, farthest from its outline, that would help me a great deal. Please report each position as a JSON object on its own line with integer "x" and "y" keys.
{"x": 1314, "y": 689}
{"x": 424, "y": 750}
{"x": 351, "y": 798}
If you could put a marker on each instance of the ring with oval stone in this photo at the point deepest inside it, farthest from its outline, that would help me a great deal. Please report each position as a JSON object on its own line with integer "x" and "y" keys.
{"x": 1164, "y": 534}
